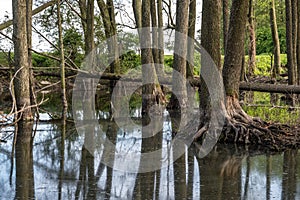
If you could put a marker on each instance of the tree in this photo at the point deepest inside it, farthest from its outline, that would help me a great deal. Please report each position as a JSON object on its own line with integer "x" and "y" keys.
{"x": 226, "y": 13}
{"x": 191, "y": 34}
{"x": 21, "y": 58}
{"x": 290, "y": 40}
{"x": 275, "y": 38}
{"x": 62, "y": 62}
{"x": 252, "y": 38}
{"x": 179, "y": 63}
{"x": 210, "y": 41}
{"x": 151, "y": 90}
{"x": 107, "y": 11}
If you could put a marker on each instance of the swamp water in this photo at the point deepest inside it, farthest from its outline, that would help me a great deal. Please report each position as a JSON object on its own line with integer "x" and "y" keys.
{"x": 52, "y": 162}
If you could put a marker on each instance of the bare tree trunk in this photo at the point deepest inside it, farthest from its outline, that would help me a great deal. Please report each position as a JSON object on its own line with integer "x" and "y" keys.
{"x": 210, "y": 34}
{"x": 252, "y": 37}
{"x": 21, "y": 81}
{"x": 298, "y": 43}
{"x": 161, "y": 51}
{"x": 226, "y": 13}
{"x": 137, "y": 11}
{"x": 62, "y": 62}
{"x": 235, "y": 48}
{"x": 29, "y": 43}
{"x": 150, "y": 91}
{"x": 179, "y": 65}
{"x": 290, "y": 47}
{"x": 191, "y": 34}
{"x": 275, "y": 37}
{"x": 154, "y": 33}
{"x": 108, "y": 19}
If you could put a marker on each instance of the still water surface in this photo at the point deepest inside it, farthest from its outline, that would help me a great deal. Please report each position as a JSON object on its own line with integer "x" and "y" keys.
{"x": 53, "y": 163}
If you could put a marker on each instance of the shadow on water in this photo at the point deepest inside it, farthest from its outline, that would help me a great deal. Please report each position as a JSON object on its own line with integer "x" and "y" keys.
{"x": 56, "y": 164}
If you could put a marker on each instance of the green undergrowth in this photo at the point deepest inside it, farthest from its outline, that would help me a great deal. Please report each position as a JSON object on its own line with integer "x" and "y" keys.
{"x": 279, "y": 113}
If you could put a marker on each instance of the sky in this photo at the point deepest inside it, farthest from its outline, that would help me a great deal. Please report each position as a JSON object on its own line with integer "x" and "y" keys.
{"x": 5, "y": 6}
{"x": 6, "y": 10}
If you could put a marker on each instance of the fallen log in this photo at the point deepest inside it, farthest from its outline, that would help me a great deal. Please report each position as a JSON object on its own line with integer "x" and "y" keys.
{"x": 272, "y": 88}
{"x": 244, "y": 86}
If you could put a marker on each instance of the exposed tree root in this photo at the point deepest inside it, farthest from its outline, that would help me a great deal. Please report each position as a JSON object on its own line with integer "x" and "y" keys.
{"x": 243, "y": 129}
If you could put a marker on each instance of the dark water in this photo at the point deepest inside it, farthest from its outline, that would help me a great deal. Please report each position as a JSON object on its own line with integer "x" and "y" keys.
{"x": 53, "y": 163}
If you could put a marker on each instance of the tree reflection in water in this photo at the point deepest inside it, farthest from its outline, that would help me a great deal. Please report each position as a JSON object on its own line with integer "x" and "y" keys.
{"x": 56, "y": 165}
{"x": 24, "y": 162}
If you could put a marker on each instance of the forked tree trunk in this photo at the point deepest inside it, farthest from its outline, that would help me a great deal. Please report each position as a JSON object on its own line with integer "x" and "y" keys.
{"x": 21, "y": 81}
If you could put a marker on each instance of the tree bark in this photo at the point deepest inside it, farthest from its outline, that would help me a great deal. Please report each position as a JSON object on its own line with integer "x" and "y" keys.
{"x": 62, "y": 62}
{"x": 150, "y": 90}
{"x": 210, "y": 41}
{"x": 275, "y": 37}
{"x": 290, "y": 47}
{"x": 110, "y": 27}
{"x": 179, "y": 63}
{"x": 160, "y": 35}
{"x": 191, "y": 34}
{"x": 226, "y": 14}
{"x": 235, "y": 47}
{"x": 137, "y": 11}
{"x": 252, "y": 39}
{"x": 21, "y": 81}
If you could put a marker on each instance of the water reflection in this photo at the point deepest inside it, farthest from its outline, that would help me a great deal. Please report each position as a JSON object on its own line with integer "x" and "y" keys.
{"x": 24, "y": 162}
{"x": 56, "y": 165}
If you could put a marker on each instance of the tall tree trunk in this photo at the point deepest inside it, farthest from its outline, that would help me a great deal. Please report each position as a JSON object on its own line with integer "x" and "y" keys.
{"x": 62, "y": 62}
{"x": 226, "y": 14}
{"x": 275, "y": 37}
{"x": 276, "y": 66}
{"x": 191, "y": 34}
{"x": 150, "y": 90}
{"x": 29, "y": 43}
{"x": 110, "y": 27}
{"x": 234, "y": 58}
{"x": 290, "y": 47}
{"x": 298, "y": 43}
{"x": 210, "y": 41}
{"x": 179, "y": 63}
{"x": 252, "y": 39}
{"x": 21, "y": 81}
{"x": 161, "y": 41}
{"x": 137, "y": 11}
{"x": 154, "y": 32}
{"x": 235, "y": 48}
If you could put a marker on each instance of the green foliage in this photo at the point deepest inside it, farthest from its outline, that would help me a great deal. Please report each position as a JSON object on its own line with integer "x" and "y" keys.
{"x": 269, "y": 113}
{"x": 41, "y": 61}
{"x": 264, "y": 40}
{"x": 263, "y": 64}
{"x": 130, "y": 60}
